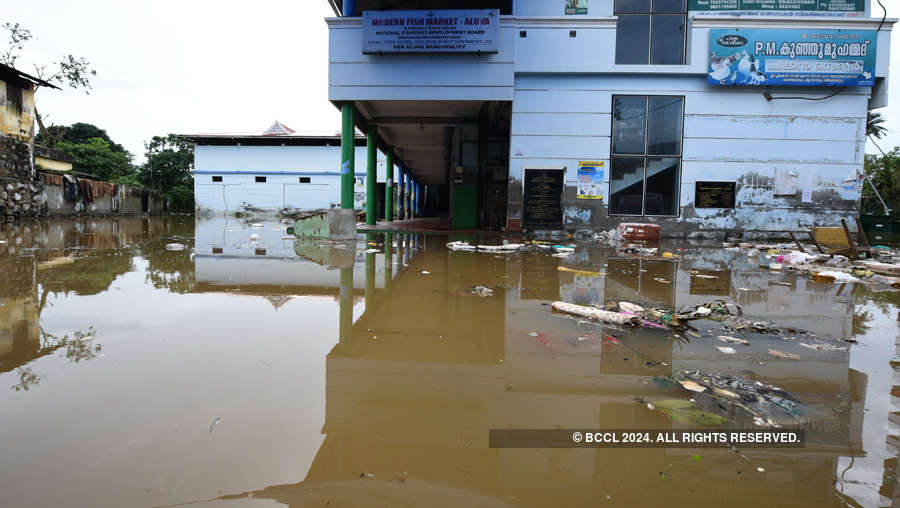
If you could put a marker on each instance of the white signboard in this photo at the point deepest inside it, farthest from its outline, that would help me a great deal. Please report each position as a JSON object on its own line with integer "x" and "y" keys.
{"x": 438, "y": 31}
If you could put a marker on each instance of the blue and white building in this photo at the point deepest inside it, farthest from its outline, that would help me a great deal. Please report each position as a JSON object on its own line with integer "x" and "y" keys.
{"x": 732, "y": 115}
{"x": 272, "y": 171}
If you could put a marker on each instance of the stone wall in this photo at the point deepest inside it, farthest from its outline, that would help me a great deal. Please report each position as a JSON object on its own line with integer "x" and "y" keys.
{"x": 15, "y": 159}
{"x": 21, "y": 200}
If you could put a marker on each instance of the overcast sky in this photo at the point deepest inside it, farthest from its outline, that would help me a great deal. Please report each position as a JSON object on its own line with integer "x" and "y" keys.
{"x": 195, "y": 66}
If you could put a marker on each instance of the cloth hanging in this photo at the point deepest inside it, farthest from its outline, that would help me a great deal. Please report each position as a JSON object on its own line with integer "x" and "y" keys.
{"x": 51, "y": 179}
{"x": 71, "y": 189}
{"x": 87, "y": 189}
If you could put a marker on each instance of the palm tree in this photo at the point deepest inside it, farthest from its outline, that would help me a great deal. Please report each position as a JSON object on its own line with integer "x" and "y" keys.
{"x": 874, "y": 125}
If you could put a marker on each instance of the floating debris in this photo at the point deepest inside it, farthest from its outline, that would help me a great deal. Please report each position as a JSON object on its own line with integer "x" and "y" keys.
{"x": 781, "y": 354}
{"x": 593, "y": 314}
{"x": 482, "y": 291}
{"x": 694, "y": 387}
{"x": 175, "y": 246}
{"x": 726, "y": 349}
{"x": 734, "y": 340}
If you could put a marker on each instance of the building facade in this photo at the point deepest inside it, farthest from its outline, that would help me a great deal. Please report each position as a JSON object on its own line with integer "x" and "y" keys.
{"x": 271, "y": 172}
{"x": 700, "y": 116}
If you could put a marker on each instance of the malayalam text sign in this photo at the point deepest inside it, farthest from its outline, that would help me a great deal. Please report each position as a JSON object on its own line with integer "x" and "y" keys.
{"x": 438, "y": 31}
{"x": 792, "y": 57}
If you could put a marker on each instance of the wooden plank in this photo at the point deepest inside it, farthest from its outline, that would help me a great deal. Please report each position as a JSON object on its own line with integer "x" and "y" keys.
{"x": 830, "y": 237}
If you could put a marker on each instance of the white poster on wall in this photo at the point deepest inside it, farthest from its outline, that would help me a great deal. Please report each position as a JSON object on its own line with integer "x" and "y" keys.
{"x": 437, "y": 31}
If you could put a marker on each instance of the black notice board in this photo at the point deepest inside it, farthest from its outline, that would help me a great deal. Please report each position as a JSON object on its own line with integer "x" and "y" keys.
{"x": 714, "y": 195}
{"x": 543, "y": 199}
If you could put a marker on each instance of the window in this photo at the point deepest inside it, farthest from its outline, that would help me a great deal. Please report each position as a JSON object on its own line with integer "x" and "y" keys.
{"x": 14, "y": 97}
{"x": 305, "y": 179}
{"x": 645, "y": 165}
{"x": 650, "y": 31}
{"x": 217, "y": 250}
{"x": 217, "y": 178}
{"x": 260, "y": 252}
{"x": 260, "y": 179}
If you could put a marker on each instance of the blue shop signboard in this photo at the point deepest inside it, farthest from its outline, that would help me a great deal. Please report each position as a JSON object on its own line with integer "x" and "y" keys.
{"x": 792, "y": 57}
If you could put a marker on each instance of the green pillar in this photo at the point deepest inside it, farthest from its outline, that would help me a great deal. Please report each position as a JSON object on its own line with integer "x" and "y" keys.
{"x": 388, "y": 261}
{"x": 348, "y": 162}
{"x": 371, "y": 174}
{"x": 370, "y": 272}
{"x": 346, "y": 306}
{"x": 389, "y": 187}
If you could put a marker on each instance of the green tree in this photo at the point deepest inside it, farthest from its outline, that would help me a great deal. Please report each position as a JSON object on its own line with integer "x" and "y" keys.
{"x": 169, "y": 167}
{"x": 875, "y": 125}
{"x": 78, "y": 132}
{"x": 884, "y": 172}
{"x": 96, "y": 157}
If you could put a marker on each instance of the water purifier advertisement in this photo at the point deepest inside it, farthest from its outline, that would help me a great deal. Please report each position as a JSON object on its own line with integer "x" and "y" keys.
{"x": 793, "y": 57}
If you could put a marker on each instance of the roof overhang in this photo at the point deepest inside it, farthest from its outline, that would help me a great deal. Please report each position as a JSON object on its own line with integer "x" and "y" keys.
{"x": 11, "y": 74}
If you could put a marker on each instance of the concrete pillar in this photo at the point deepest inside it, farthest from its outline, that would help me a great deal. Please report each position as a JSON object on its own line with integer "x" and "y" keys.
{"x": 389, "y": 186}
{"x": 371, "y": 172}
{"x": 348, "y": 162}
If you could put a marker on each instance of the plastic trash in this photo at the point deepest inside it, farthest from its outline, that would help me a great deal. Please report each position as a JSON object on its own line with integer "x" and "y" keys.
{"x": 593, "y": 314}
{"x": 726, "y": 349}
{"x": 734, "y": 340}
{"x": 175, "y": 246}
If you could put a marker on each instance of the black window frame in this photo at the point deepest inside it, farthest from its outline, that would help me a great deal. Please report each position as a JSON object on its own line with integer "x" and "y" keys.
{"x": 646, "y": 155}
{"x": 260, "y": 179}
{"x": 304, "y": 179}
{"x": 216, "y": 178}
{"x": 15, "y": 97}
{"x": 651, "y": 12}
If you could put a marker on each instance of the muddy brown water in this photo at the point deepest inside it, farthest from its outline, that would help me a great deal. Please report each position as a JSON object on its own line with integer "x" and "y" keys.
{"x": 264, "y": 372}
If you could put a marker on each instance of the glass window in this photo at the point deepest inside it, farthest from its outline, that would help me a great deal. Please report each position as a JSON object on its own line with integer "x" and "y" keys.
{"x": 662, "y": 186}
{"x": 632, "y": 39}
{"x": 668, "y": 40}
{"x": 629, "y": 125}
{"x": 642, "y": 182}
{"x": 664, "y": 132}
{"x": 626, "y": 185}
{"x": 668, "y": 6}
{"x": 632, "y": 6}
{"x": 650, "y": 34}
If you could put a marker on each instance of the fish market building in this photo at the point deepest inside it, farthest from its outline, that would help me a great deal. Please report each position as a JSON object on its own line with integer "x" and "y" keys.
{"x": 698, "y": 115}
{"x": 271, "y": 171}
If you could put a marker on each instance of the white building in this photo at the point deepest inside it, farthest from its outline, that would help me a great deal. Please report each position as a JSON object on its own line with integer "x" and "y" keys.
{"x": 272, "y": 171}
{"x": 734, "y": 115}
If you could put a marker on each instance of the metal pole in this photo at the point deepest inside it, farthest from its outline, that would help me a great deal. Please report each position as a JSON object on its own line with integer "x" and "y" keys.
{"x": 348, "y": 162}
{"x": 389, "y": 187}
{"x": 371, "y": 173}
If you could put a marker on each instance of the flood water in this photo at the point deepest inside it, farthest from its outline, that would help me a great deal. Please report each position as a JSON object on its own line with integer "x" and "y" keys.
{"x": 264, "y": 372}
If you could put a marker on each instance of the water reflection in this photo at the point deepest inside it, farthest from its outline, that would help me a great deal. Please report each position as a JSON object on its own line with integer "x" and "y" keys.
{"x": 417, "y": 367}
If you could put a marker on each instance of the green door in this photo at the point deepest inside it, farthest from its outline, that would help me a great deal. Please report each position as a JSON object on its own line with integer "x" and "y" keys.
{"x": 465, "y": 206}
